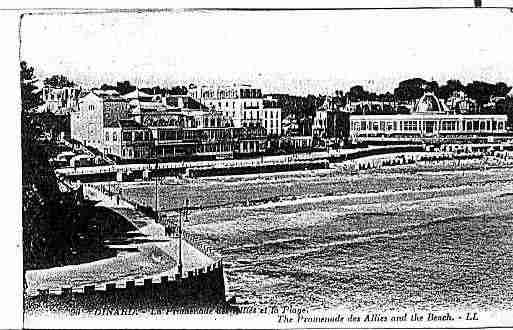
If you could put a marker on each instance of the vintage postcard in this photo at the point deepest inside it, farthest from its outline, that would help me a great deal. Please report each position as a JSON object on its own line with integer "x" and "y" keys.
{"x": 267, "y": 168}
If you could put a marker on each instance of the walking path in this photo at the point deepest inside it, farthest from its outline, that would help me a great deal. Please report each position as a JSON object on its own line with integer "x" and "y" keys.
{"x": 151, "y": 256}
{"x": 221, "y": 163}
{"x": 152, "y": 260}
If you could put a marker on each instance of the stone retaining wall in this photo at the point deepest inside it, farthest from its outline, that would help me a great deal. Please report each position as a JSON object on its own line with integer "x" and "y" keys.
{"x": 204, "y": 285}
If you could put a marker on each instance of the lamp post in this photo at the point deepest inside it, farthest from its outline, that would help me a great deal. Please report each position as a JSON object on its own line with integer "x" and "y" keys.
{"x": 156, "y": 188}
{"x": 180, "y": 232}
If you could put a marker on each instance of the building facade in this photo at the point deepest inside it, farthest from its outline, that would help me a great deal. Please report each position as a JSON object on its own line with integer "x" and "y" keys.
{"x": 459, "y": 102}
{"x": 332, "y": 125}
{"x": 186, "y": 132}
{"x": 430, "y": 118}
{"x": 128, "y": 139}
{"x": 59, "y": 100}
{"x": 96, "y": 112}
{"x": 243, "y": 104}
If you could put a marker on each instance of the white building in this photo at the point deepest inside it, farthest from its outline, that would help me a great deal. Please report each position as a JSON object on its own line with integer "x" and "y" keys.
{"x": 243, "y": 104}
{"x": 96, "y": 111}
{"x": 460, "y": 102}
{"x": 429, "y": 118}
{"x": 59, "y": 100}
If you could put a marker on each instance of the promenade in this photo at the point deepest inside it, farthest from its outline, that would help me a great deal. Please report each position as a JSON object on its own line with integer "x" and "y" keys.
{"x": 150, "y": 256}
{"x": 154, "y": 259}
{"x": 264, "y": 160}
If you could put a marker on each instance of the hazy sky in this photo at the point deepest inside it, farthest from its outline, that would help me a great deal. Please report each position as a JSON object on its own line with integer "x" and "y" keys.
{"x": 299, "y": 52}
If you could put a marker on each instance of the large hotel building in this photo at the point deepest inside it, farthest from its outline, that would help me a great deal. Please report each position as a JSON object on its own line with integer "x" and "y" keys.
{"x": 244, "y": 105}
{"x": 142, "y": 126}
{"x": 429, "y": 118}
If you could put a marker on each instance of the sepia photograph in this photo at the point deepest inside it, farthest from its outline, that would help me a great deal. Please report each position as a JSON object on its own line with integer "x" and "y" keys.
{"x": 267, "y": 167}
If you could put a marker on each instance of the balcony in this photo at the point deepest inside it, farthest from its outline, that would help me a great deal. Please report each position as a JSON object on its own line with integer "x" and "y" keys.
{"x": 251, "y": 107}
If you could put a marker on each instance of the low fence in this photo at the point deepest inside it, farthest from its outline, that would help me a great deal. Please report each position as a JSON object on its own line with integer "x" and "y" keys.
{"x": 203, "y": 285}
{"x": 360, "y": 164}
{"x": 203, "y": 246}
{"x": 257, "y": 168}
{"x": 375, "y": 152}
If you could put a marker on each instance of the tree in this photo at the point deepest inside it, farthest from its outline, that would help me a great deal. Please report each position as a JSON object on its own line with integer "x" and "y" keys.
{"x": 310, "y": 106}
{"x": 125, "y": 87}
{"x": 410, "y": 89}
{"x": 480, "y": 91}
{"x": 433, "y": 87}
{"x": 387, "y": 97}
{"x": 178, "y": 90}
{"x": 451, "y": 86}
{"x": 501, "y": 89}
{"x": 34, "y": 171}
{"x": 357, "y": 93}
{"x": 106, "y": 87}
{"x": 30, "y": 96}
{"x": 49, "y": 217}
{"x": 340, "y": 99}
{"x": 58, "y": 81}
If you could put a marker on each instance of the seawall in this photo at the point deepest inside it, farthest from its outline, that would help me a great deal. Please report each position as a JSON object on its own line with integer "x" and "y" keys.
{"x": 204, "y": 286}
{"x": 265, "y": 164}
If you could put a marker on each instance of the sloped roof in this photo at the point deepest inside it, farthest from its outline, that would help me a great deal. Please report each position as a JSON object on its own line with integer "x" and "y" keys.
{"x": 137, "y": 94}
{"x": 106, "y": 95}
{"x": 128, "y": 123}
{"x": 107, "y": 92}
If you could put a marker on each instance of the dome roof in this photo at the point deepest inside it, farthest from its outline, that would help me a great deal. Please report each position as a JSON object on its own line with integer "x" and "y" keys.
{"x": 429, "y": 103}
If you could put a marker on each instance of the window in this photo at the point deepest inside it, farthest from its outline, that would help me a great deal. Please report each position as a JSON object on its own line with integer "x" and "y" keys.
{"x": 449, "y": 125}
{"x": 114, "y": 136}
{"x": 138, "y": 136}
{"x": 127, "y": 136}
{"x": 106, "y": 136}
{"x": 410, "y": 125}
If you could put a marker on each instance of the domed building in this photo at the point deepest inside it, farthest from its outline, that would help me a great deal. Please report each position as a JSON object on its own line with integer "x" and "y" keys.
{"x": 429, "y": 103}
{"x": 429, "y": 118}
